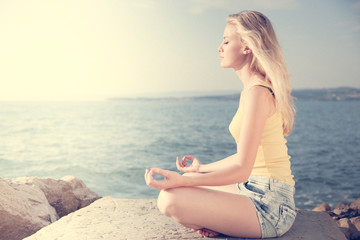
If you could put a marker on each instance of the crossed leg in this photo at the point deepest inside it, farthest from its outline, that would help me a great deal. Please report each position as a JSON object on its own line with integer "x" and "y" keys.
{"x": 211, "y": 211}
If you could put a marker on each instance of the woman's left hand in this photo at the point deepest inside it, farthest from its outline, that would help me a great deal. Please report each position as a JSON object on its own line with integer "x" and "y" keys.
{"x": 172, "y": 179}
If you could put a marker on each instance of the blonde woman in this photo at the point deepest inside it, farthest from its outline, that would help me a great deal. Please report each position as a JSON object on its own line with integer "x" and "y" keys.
{"x": 251, "y": 193}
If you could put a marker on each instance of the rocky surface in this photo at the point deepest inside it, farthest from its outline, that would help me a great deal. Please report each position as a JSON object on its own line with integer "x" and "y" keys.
{"x": 28, "y": 204}
{"x": 115, "y": 219}
{"x": 346, "y": 215}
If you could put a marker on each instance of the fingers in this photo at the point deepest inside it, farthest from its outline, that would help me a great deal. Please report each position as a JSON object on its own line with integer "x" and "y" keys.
{"x": 184, "y": 161}
{"x": 178, "y": 164}
{"x": 148, "y": 177}
{"x": 146, "y": 174}
{"x": 160, "y": 171}
{"x": 150, "y": 181}
{"x": 182, "y": 165}
{"x": 149, "y": 174}
{"x": 191, "y": 158}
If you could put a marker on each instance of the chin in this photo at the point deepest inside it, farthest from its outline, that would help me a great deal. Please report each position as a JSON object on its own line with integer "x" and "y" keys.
{"x": 224, "y": 65}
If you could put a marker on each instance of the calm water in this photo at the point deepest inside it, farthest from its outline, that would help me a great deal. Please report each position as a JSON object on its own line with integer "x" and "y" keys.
{"x": 109, "y": 144}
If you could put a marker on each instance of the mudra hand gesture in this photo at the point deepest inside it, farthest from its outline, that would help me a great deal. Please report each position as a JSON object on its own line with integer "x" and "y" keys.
{"x": 184, "y": 167}
{"x": 172, "y": 179}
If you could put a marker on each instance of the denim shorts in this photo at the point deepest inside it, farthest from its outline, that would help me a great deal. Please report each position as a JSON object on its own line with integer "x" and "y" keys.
{"x": 274, "y": 203}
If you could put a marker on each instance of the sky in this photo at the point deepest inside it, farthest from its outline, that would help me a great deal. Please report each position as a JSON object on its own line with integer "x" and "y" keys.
{"x": 84, "y": 50}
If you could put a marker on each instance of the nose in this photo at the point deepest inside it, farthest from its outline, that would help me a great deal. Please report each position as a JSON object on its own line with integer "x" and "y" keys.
{"x": 220, "y": 48}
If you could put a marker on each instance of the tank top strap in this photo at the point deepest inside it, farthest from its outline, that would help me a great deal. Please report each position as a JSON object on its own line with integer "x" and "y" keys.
{"x": 262, "y": 84}
{"x": 257, "y": 83}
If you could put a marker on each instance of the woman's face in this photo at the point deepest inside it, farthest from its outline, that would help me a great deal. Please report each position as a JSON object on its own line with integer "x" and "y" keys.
{"x": 232, "y": 54}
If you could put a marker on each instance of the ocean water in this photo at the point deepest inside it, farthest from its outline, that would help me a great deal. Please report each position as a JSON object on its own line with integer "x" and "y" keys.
{"x": 109, "y": 144}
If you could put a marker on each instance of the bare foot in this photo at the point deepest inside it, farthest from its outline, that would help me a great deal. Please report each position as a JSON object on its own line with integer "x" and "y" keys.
{"x": 206, "y": 232}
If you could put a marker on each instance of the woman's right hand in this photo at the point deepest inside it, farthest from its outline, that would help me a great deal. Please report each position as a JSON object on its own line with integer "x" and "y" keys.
{"x": 184, "y": 167}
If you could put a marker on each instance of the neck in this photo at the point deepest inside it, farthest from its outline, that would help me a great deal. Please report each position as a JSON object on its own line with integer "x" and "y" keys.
{"x": 245, "y": 74}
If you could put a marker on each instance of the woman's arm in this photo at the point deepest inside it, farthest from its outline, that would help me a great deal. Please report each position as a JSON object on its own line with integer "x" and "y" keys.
{"x": 197, "y": 167}
{"x": 258, "y": 106}
{"x": 215, "y": 166}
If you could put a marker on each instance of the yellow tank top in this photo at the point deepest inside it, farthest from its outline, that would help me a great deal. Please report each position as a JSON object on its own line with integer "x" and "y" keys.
{"x": 272, "y": 159}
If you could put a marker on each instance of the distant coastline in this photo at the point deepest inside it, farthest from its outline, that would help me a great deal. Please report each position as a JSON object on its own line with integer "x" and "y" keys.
{"x": 324, "y": 94}
{"x": 328, "y": 94}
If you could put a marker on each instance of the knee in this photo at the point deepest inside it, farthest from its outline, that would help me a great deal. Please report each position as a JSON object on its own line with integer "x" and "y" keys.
{"x": 167, "y": 202}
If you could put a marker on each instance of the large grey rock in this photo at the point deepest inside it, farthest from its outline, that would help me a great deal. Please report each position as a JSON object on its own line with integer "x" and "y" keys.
{"x": 110, "y": 218}
{"x": 23, "y": 210}
{"x": 28, "y": 204}
{"x": 66, "y": 195}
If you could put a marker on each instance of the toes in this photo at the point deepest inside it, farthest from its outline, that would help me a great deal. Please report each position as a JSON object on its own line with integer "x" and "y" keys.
{"x": 207, "y": 232}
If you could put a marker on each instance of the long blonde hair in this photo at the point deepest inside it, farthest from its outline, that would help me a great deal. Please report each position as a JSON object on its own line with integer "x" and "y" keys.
{"x": 257, "y": 33}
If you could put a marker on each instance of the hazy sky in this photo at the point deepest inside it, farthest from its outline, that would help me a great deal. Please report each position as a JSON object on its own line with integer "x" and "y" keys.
{"x": 95, "y": 49}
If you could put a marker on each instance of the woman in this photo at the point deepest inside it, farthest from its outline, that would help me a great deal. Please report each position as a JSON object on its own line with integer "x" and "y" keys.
{"x": 251, "y": 193}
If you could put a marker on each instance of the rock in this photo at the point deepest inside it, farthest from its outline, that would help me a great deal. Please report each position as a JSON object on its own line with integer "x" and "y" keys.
{"x": 65, "y": 195}
{"x": 115, "y": 219}
{"x": 350, "y": 227}
{"x": 82, "y": 193}
{"x": 30, "y": 203}
{"x": 341, "y": 209}
{"x": 23, "y": 210}
{"x": 347, "y": 216}
{"x": 355, "y": 228}
{"x": 324, "y": 207}
{"x": 355, "y": 204}
{"x": 344, "y": 225}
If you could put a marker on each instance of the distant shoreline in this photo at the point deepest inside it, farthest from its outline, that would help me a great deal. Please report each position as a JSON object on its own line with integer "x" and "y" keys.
{"x": 324, "y": 94}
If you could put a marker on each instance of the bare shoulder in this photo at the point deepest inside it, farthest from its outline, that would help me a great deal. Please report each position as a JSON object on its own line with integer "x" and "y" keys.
{"x": 259, "y": 98}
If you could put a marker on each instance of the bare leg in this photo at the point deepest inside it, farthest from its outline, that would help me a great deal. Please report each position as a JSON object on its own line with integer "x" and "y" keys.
{"x": 227, "y": 188}
{"x": 214, "y": 210}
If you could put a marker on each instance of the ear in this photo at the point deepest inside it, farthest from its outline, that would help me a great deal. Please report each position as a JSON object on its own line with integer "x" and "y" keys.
{"x": 247, "y": 50}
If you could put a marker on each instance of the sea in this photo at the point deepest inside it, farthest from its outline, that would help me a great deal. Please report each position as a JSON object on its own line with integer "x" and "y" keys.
{"x": 109, "y": 144}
